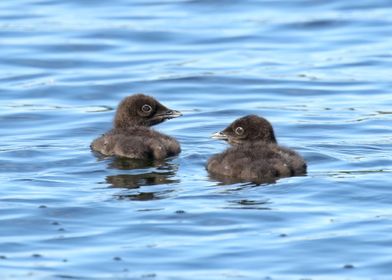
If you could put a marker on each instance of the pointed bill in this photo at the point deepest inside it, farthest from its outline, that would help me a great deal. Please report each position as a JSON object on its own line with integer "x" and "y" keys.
{"x": 219, "y": 135}
{"x": 169, "y": 114}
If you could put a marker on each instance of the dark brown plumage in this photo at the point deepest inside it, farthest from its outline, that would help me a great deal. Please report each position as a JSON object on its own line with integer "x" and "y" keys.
{"x": 132, "y": 136}
{"x": 255, "y": 155}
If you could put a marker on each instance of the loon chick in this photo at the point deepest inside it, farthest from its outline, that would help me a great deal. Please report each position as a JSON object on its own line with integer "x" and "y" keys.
{"x": 255, "y": 155}
{"x": 132, "y": 136}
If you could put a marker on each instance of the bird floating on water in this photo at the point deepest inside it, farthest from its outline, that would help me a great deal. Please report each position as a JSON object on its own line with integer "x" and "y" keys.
{"x": 254, "y": 155}
{"x": 132, "y": 135}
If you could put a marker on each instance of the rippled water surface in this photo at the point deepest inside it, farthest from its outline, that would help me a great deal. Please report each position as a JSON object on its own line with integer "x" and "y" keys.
{"x": 320, "y": 71}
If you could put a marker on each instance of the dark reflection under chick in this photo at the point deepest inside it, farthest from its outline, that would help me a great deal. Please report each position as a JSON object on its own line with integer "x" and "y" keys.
{"x": 223, "y": 180}
{"x": 145, "y": 173}
{"x": 128, "y": 164}
{"x": 249, "y": 204}
{"x": 134, "y": 181}
{"x": 143, "y": 196}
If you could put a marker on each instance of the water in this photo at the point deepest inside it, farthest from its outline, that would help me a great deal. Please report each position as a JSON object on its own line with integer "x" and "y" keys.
{"x": 320, "y": 71}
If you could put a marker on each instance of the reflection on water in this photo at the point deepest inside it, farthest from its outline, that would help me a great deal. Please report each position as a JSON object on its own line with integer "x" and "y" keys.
{"x": 123, "y": 163}
{"x": 144, "y": 173}
{"x": 142, "y": 196}
{"x": 249, "y": 204}
{"x": 127, "y": 164}
{"x": 225, "y": 180}
{"x": 133, "y": 181}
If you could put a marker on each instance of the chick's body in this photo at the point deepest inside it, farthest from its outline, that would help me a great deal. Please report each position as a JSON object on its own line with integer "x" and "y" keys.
{"x": 132, "y": 136}
{"x": 255, "y": 155}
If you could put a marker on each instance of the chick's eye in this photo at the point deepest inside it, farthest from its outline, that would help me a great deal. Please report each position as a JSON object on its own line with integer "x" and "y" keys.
{"x": 239, "y": 130}
{"x": 146, "y": 108}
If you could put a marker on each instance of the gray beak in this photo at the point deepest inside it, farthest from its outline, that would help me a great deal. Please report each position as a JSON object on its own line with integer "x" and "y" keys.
{"x": 219, "y": 135}
{"x": 171, "y": 114}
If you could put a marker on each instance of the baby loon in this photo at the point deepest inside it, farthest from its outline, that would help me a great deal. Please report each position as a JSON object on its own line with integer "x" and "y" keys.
{"x": 255, "y": 155}
{"x": 132, "y": 136}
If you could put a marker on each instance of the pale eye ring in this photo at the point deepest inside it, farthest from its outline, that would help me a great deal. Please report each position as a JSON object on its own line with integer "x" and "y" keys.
{"x": 239, "y": 130}
{"x": 146, "y": 108}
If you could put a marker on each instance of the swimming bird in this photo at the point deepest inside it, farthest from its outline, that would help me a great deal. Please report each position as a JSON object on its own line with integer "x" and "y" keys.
{"x": 254, "y": 155}
{"x": 132, "y": 135}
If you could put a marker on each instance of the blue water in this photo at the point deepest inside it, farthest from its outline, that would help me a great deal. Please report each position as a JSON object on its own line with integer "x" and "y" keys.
{"x": 320, "y": 71}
